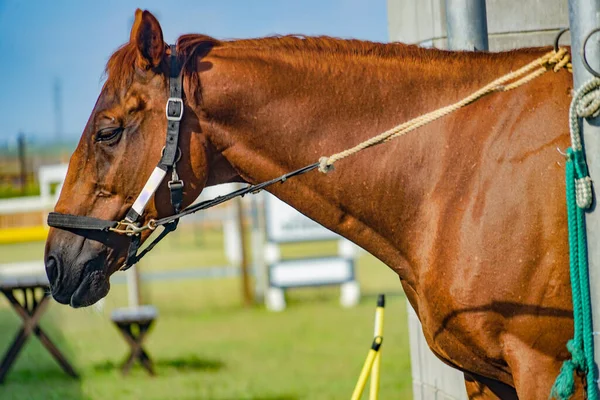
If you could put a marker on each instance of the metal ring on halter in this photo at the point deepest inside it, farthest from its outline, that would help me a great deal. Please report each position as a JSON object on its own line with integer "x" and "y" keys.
{"x": 583, "y": 56}
{"x": 557, "y": 39}
{"x": 151, "y": 224}
{"x": 177, "y": 157}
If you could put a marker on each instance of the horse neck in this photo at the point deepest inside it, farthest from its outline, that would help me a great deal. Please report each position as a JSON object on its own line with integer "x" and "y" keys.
{"x": 270, "y": 112}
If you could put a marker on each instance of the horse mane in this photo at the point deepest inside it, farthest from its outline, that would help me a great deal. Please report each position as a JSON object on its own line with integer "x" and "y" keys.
{"x": 120, "y": 68}
{"x": 321, "y": 44}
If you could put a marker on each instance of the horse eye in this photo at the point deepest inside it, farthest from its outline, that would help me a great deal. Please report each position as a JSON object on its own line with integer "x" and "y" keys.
{"x": 107, "y": 134}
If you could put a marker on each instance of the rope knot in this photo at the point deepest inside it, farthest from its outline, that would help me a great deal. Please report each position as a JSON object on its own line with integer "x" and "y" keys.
{"x": 557, "y": 60}
{"x": 589, "y": 104}
{"x": 577, "y": 355}
{"x": 583, "y": 182}
{"x": 585, "y": 104}
{"x": 583, "y": 192}
{"x": 324, "y": 165}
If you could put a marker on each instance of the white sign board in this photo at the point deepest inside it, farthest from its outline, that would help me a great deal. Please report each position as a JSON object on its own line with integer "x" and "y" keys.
{"x": 311, "y": 272}
{"x": 285, "y": 224}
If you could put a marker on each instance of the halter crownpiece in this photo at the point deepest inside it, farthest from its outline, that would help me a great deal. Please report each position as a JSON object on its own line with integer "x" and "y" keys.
{"x": 171, "y": 154}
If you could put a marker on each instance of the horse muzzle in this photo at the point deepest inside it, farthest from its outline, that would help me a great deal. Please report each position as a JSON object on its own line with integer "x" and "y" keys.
{"x": 76, "y": 272}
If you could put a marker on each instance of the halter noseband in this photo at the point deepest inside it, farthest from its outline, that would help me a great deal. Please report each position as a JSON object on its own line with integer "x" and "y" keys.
{"x": 171, "y": 153}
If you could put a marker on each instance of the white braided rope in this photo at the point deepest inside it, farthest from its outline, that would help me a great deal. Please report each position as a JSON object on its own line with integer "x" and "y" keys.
{"x": 585, "y": 104}
{"x": 551, "y": 61}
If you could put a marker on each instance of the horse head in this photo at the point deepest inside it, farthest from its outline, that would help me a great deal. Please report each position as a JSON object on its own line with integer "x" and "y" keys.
{"x": 117, "y": 153}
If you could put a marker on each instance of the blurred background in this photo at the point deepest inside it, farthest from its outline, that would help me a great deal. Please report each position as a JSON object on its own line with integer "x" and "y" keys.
{"x": 214, "y": 337}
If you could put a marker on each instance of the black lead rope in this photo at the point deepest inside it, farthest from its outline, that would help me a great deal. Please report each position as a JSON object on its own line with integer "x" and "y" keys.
{"x": 170, "y": 222}
{"x": 77, "y": 222}
{"x": 237, "y": 193}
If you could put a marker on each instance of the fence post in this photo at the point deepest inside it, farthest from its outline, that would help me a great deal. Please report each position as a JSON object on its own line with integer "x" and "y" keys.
{"x": 257, "y": 243}
{"x": 134, "y": 295}
{"x": 584, "y": 16}
{"x": 246, "y": 287}
{"x": 466, "y": 25}
{"x": 22, "y": 161}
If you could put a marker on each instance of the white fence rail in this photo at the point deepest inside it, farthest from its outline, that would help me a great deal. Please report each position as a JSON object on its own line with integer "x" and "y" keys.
{"x": 48, "y": 175}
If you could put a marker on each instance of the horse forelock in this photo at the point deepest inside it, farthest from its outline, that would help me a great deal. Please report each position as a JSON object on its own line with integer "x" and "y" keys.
{"x": 120, "y": 68}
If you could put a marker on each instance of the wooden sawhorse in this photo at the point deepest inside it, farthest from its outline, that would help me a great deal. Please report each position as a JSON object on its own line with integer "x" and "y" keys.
{"x": 29, "y": 296}
{"x": 134, "y": 324}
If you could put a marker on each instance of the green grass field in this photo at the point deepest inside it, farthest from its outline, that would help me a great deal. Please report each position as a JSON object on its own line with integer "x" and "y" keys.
{"x": 207, "y": 346}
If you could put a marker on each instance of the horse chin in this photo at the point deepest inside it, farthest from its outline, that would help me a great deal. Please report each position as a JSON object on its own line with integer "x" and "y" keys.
{"x": 93, "y": 287}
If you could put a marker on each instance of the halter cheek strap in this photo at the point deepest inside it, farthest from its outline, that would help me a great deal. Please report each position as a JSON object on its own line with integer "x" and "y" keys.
{"x": 171, "y": 152}
{"x": 170, "y": 155}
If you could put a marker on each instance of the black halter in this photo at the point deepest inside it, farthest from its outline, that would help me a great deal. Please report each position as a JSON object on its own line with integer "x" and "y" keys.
{"x": 130, "y": 225}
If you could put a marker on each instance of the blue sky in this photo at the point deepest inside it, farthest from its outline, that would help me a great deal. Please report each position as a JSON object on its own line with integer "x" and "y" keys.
{"x": 42, "y": 41}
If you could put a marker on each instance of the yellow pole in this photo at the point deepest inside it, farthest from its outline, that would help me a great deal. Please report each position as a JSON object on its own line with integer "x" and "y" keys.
{"x": 366, "y": 369}
{"x": 374, "y": 386}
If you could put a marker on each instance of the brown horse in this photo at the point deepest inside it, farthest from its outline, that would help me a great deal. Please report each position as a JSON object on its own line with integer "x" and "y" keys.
{"x": 469, "y": 210}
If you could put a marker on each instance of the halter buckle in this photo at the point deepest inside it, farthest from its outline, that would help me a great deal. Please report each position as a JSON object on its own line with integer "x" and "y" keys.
{"x": 176, "y": 185}
{"x": 173, "y": 101}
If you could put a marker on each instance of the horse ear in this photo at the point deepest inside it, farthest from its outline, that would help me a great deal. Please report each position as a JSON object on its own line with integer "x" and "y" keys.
{"x": 148, "y": 38}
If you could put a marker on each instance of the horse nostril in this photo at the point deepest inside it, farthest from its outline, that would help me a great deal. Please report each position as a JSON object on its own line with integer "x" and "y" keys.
{"x": 52, "y": 270}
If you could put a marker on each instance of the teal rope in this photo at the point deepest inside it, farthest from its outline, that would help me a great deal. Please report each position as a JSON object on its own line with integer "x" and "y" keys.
{"x": 581, "y": 346}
